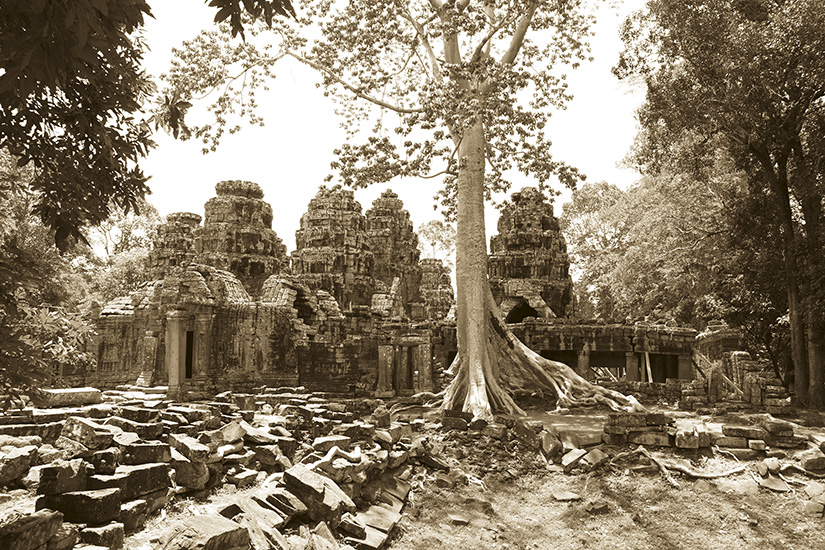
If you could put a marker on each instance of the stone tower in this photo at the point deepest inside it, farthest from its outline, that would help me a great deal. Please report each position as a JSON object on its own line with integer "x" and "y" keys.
{"x": 237, "y": 235}
{"x": 332, "y": 251}
{"x": 173, "y": 244}
{"x": 394, "y": 246}
{"x": 436, "y": 288}
{"x": 528, "y": 267}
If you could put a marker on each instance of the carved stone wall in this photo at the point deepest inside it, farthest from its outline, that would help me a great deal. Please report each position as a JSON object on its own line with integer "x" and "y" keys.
{"x": 333, "y": 250}
{"x": 394, "y": 245}
{"x": 528, "y": 266}
{"x": 237, "y": 235}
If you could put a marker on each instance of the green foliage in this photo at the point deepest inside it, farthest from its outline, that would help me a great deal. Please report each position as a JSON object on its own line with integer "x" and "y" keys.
{"x": 69, "y": 86}
{"x": 422, "y": 71}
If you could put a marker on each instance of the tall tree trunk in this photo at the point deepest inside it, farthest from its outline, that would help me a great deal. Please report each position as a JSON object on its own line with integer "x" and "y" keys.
{"x": 491, "y": 361}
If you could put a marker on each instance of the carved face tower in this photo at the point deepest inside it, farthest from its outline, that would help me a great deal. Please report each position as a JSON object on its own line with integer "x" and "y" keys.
{"x": 528, "y": 266}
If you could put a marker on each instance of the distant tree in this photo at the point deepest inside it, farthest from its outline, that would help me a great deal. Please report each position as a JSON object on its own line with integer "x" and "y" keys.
{"x": 439, "y": 236}
{"x": 749, "y": 75}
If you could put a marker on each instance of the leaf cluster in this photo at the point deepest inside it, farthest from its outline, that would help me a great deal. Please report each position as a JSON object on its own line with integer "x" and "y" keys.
{"x": 70, "y": 81}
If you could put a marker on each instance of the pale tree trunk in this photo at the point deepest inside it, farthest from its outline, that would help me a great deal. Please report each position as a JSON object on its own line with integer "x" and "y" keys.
{"x": 491, "y": 361}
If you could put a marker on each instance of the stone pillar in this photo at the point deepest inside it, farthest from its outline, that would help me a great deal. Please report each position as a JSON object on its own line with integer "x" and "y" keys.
{"x": 583, "y": 364}
{"x": 422, "y": 362}
{"x": 631, "y": 366}
{"x": 200, "y": 355}
{"x": 386, "y": 360}
{"x": 685, "y": 367}
{"x": 402, "y": 368}
{"x": 175, "y": 352}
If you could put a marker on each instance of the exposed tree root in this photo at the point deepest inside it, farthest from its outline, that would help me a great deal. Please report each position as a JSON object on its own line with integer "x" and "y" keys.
{"x": 801, "y": 470}
{"x": 665, "y": 466}
{"x": 509, "y": 365}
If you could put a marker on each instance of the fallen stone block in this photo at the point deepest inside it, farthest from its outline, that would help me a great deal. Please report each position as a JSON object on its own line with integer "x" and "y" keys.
{"x": 226, "y": 434}
{"x": 352, "y": 526}
{"x": 658, "y": 439}
{"x": 47, "y": 432}
{"x": 139, "y": 414}
{"x": 262, "y": 513}
{"x": 65, "y": 538}
{"x": 106, "y": 461}
{"x": 30, "y": 532}
{"x": 145, "y": 452}
{"x": 134, "y": 481}
{"x": 812, "y": 459}
{"x": 571, "y": 459}
{"x": 325, "y": 501}
{"x": 133, "y": 514}
{"x": 242, "y": 478}
{"x": 257, "y": 436}
{"x": 69, "y": 397}
{"x": 193, "y": 475}
{"x": 64, "y": 476}
{"x": 205, "y": 532}
{"x": 731, "y": 442}
{"x": 146, "y": 431}
{"x": 749, "y": 432}
{"x": 495, "y": 431}
{"x": 286, "y": 503}
{"x": 189, "y": 447}
{"x": 594, "y": 459}
{"x": 325, "y": 443}
{"x": 93, "y": 507}
{"x": 551, "y": 445}
{"x": 379, "y": 517}
{"x": 72, "y": 449}
{"x": 89, "y": 434}
{"x": 778, "y": 428}
{"x": 15, "y": 462}
{"x": 108, "y": 536}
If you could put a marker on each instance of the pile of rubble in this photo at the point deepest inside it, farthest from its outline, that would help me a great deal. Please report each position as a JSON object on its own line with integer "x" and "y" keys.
{"x": 316, "y": 473}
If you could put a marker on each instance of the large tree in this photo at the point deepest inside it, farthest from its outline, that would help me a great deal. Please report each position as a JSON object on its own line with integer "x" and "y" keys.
{"x": 750, "y": 75}
{"x": 469, "y": 86}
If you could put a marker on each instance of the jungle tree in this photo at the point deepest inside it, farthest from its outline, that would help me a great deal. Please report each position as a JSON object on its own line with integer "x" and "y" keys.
{"x": 469, "y": 86}
{"x": 749, "y": 74}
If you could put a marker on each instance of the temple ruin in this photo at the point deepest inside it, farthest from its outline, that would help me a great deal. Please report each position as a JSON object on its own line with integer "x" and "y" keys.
{"x": 353, "y": 310}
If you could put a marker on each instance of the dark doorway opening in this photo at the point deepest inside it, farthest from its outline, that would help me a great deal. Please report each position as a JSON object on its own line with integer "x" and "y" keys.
{"x": 190, "y": 352}
{"x": 569, "y": 358}
{"x": 521, "y": 312}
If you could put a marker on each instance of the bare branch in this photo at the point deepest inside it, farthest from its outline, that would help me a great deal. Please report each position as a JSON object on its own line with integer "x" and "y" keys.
{"x": 518, "y": 36}
{"x": 355, "y": 90}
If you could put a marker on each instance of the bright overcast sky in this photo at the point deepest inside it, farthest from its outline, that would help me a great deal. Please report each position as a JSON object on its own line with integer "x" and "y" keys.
{"x": 290, "y": 156}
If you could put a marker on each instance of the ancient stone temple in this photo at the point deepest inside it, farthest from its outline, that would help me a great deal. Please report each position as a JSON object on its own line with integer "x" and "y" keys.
{"x": 333, "y": 252}
{"x": 528, "y": 265}
{"x": 357, "y": 312}
{"x": 237, "y": 235}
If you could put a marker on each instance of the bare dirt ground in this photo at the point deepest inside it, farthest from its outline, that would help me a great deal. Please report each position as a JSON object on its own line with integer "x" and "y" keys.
{"x": 619, "y": 508}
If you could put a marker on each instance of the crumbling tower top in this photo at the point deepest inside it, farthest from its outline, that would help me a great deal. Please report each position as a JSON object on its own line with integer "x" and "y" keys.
{"x": 528, "y": 267}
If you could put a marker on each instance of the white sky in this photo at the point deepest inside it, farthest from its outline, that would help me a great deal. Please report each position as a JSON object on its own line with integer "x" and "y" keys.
{"x": 290, "y": 156}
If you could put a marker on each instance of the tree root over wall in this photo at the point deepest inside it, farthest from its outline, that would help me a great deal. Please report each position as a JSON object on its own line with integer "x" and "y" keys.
{"x": 509, "y": 365}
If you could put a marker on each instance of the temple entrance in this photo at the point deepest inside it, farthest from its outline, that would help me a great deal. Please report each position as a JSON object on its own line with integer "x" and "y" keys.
{"x": 190, "y": 352}
{"x": 520, "y": 312}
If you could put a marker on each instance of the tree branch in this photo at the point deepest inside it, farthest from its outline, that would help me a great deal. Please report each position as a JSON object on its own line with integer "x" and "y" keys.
{"x": 351, "y": 88}
{"x": 517, "y": 41}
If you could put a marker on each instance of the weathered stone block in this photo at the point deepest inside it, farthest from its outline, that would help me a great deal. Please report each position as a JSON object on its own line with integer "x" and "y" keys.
{"x": 89, "y": 434}
{"x": 496, "y": 431}
{"x": 778, "y": 428}
{"x": 749, "y": 432}
{"x": 92, "y": 507}
{"x": 189, "y": 447}
{"x": 105, "y": 462}
{"x": 327, "y": 442}
{"x": 731, "y": 442}
{"x": 139, "y": 414}
{"x": 812, "y": 459}
{"x": 109, "y": 536}
{"x": 659, "y": 439}
{"x": 146, "y": 431}
{"x": 226, "y": 434}
{"x": 324, "y": 500}
{"x": 65, "y": 538}
{"x": 145, "y": 452}
{"x": 687, "y": 439}
{"x": 69, "y": 397}
{"x": 30, "y": 532}
{"x": 571, "y": 459}
{"x": 205, "y": 532}
{"x": 64, "y": 476}
{"x": 133, "y": 514}
{"x": 757, "y": 444}
{"x": 15, "y": 462}
{"x": 134, "y": 481}
{"x": 193, "y": 475}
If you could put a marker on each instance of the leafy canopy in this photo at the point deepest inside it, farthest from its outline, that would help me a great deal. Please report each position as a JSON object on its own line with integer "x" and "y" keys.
{"x": 420, "y": 71}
